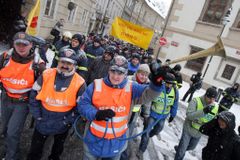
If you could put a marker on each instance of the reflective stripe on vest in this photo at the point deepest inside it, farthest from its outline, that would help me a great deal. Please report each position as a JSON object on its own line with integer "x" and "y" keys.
{"x": 81, "y": 68}
{"x": 119, "y": 100}
{"x": 206, "y": 118}
{"x": 17, "y": 78}
{"x": 99, "y": 129}
{"x": 61, "y": 101}
{"x": 158, "y": 103}
{"x": 90, "y": 56}
{"x": 223, "y": 107}
{"x": 15, "y": 91}
{"x": 178, "y": 85}
{"x": 137, "y": 108}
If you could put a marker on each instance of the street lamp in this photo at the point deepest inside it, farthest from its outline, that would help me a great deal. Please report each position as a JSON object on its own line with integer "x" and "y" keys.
{"x": 225, "y": 20}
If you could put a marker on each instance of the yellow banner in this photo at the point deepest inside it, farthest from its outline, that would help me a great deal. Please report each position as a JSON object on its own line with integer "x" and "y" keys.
{"x": 132, "y": 33}
{"x": 33, "y": 19}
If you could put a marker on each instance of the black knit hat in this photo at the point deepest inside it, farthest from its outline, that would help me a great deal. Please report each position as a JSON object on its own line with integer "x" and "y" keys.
{"x": 177, "y": 67}
{"x": 78, "y": 37}
{"x": 229, "y": 118}
{"x": 211, "y": 93}
{"x": 169, "y": 78}
{"x": 136, "y": 55}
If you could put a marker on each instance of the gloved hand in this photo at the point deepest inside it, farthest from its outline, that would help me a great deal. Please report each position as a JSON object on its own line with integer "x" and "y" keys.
{"x": 208, "y": 109}
{"x": 170, "y": 119}
{"x": 104, "y": 114}
{"x": 157, "y": 73}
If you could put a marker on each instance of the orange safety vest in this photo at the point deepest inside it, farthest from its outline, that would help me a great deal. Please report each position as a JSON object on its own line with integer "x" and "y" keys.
{"x": 58, "y": 101}
{"x": 17, "y": 78}
{"x": 119, "y": 100}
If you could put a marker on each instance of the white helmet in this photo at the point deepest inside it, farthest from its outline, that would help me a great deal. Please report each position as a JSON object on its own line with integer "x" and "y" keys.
{"x": 67, "y": 34}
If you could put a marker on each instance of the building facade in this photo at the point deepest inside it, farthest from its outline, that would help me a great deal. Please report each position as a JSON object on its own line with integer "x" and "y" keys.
{"x": 135, "y": 11}
{"x": 78, "y": 15}
{"x": 95, "y": 15}
{"x": 194, "y": 26}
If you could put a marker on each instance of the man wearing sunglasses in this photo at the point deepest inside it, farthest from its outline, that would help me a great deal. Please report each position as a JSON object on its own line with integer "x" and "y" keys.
{"x": 107, "y": 104}
{"x": 17, "y": 78}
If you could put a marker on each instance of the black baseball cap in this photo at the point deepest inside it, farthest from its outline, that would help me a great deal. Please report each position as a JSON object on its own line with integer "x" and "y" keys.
{"x": 22, "y": 37}
{"x": 211, "y": 93}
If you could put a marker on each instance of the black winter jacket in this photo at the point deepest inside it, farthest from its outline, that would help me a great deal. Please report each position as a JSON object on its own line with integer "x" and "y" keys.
{"x": 98, "y": 69}
{"x": 222, "y": 144}
{"x": 196, "y": 82}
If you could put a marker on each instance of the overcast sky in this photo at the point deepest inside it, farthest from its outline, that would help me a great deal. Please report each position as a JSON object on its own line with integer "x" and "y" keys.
{"x": 160, "y": 6}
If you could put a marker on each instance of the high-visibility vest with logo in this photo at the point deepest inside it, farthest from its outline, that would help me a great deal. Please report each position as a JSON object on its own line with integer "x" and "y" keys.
{"x": 58, "y": 101}
{"x": 158, "y": 103}
{"x": 17, "y": 78}
{"x": 119, "y": 100}
{"x": 206, "y": 118}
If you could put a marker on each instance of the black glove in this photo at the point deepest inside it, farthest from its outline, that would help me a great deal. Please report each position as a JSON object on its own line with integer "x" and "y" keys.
{"x": 157, "y": 73}
{"x": 208, "y": 109}
{"x": 170, "y": 119}
{"x": 104, "y": 114}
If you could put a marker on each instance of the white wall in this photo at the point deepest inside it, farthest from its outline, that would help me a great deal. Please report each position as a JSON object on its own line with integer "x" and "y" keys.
{"x": 215, "y": 68}
{"x": 189, "y": 14}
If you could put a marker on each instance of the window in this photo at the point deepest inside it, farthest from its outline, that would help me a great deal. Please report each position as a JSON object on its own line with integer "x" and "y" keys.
{"x": 236, "y": 24}
{"x": 72, "y": 14}
{"x": 50, "y": 8}
{"x": 84, "y": 17}
{"x": 196, "y": 64}
{"x": 228, "y": 71}
{"x": 215, "y": 10}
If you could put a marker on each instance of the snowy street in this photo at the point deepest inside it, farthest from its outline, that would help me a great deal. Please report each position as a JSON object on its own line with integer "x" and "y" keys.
{"x": 169, "y": 137}
{"x": 161, "y": 147}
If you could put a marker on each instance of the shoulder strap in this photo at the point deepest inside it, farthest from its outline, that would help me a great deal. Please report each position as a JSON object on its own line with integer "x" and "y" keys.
{"x": 6, "y": 58}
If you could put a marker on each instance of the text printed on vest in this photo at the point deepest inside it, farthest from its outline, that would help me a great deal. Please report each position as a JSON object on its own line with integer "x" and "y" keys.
{"x": 21, "y": 82}
{"x": 114, "y": 108}
{"x": 56, "y": 102}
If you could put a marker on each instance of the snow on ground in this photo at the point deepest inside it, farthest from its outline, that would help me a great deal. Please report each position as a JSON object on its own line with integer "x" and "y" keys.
{"x": 171, "y": 134}
{"x": 169, "y": 137}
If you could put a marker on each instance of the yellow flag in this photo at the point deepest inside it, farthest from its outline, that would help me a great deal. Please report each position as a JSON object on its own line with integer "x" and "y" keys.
{"x": 33, "y": 19}
{"x": 131, "y": 33}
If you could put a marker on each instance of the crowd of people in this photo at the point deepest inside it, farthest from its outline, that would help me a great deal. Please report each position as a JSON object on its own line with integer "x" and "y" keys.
{"x": 110, "y": 84}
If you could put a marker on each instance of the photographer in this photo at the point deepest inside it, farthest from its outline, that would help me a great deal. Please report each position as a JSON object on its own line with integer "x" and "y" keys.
{"x": 196, "y": 85}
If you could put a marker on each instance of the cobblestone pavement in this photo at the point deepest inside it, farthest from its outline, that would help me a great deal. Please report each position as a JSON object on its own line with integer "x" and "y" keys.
{"x": 72, "y": 149}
